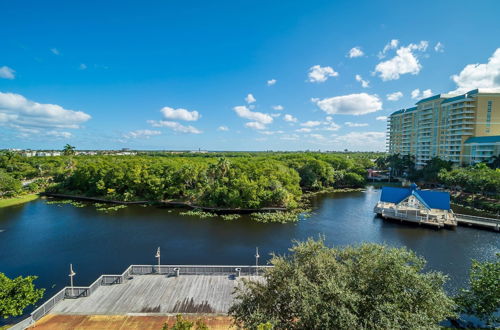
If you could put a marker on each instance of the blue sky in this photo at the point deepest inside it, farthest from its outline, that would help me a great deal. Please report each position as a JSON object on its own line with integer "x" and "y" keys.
{"x": 178, "y": 74}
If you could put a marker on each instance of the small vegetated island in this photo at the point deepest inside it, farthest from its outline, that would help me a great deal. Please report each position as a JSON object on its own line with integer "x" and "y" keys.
{"x": 221, "y": 181}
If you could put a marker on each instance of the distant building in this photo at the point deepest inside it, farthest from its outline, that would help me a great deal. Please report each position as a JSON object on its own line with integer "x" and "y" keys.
{"x": 447, "y": 126}
{"x": 415, "y": 205}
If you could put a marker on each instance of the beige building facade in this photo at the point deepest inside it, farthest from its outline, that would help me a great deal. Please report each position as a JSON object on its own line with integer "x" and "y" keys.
{"x": 464, "y": 129}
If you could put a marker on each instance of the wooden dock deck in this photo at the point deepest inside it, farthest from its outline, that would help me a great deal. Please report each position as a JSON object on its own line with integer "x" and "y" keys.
{"x": 158, "y": 294}
{"x": 151, "y": 290}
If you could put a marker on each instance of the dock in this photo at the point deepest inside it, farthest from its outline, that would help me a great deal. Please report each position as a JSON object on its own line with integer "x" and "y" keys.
{"x": 480, "y": 222}
{"x": 150, "y": 290}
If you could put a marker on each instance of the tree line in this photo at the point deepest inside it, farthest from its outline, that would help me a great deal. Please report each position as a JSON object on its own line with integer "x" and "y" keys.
{"x": 235, "y": 180}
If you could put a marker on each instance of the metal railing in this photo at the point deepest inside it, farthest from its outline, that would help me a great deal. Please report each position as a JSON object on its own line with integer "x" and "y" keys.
{"x": 478, "y": 220}
{"x": 173, "y": 270}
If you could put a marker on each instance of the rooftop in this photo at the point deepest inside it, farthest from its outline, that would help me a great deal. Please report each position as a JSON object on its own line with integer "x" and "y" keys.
{"x": 431, "y": 199}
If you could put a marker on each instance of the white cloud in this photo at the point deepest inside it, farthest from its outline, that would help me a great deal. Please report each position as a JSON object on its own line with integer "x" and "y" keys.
{"x": 17, "y": 111}
{"x": 271, "y": 82}
{"x": 246, "y": 113}
{"x": 290, "y": 137}
{"x": 290, "y": 118}
{"x": 415, "y": 94}
{"x": 355, "y": 52}
{"x": 271, "y": 132}
{"x": 311, "y": 123}
{"x": 175, "y": 126}
{"x": 7, "y": 73}
{"x": 364, "y": 83}
{"x": 275, "y": 115}
{"x": 484, "y": 76}
{"x": 321, "y": 74}
{"x": 331, "y": 126}
{"x": 223, "y": 128}
{"x": 317, "y": 136}
{"x": 255, "y": 125}
{"x": 351, "y": 124}
{"x": 58, "y": 134}
{"x": 250, "y": 99}
{"x": 405, "y": 62}
{"x": 393, "y": 44}
{"x": 83, "y": 66}
{"x": 352, "y": 104}
{"x": 278, "y": 107}
{"x": 55, "y": 51}
{"x": 439, "y": 47}
{"x": 143, "y": 133}
{"x": 394, "y": 96}
{"x": 382, "y": 118}
{"x": 303, "y": 130}
{"x": 180, "y": 114}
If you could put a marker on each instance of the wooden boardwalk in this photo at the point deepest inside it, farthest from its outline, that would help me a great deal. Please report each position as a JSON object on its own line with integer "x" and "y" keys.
{"x": 157, "y": 294}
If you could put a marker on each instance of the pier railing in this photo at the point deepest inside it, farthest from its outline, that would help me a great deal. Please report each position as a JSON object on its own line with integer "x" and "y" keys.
{"x": 172, "y": 270}
{"x": 479, "y": 221}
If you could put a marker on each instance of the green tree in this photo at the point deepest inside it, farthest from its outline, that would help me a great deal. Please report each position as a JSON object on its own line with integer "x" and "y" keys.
{"x": 364, "y": 287}
{"x": 183, "y": 324}
{"x": 16, "y": 294}
{"x": 9, "y": 186}
{"x": 68, "y": 150}
{"x": 482, "y": 299}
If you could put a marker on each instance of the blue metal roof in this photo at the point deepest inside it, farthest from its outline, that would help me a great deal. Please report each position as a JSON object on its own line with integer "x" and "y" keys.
{"x": 484, "y": 139}
{"x": 455, "y": 98}
{"x": 434, "y": 97}
{"x": 431, "y": 199}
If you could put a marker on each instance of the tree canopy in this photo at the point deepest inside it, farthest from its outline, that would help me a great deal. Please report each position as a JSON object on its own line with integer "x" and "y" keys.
{"x": 358, "y": 287}
{"x": 482, "y": 298}
{"x": 16, "y": 294}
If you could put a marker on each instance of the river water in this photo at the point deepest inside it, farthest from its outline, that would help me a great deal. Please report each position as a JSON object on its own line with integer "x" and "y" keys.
{"x": 43, "y": 239}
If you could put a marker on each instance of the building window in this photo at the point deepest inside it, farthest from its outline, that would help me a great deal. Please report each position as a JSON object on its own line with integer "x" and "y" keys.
{"x": 488, "y": 116}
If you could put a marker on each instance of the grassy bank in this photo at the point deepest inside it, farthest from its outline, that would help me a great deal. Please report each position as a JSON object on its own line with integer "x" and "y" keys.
{"x": 17, "y": 200}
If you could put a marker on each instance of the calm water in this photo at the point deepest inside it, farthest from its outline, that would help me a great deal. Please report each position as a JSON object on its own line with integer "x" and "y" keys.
{"x": 42, "y": 239}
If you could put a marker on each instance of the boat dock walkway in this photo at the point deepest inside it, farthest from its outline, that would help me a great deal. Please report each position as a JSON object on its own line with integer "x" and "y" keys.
{"x": 471, "y": 220}
{"x": 151, "y": 290}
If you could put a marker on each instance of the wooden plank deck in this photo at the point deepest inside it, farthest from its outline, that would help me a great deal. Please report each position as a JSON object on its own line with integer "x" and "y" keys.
{"x": 157, "y": 294}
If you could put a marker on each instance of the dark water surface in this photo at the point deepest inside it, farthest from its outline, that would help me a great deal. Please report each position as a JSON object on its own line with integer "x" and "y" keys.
{"x": 42, "y": 239}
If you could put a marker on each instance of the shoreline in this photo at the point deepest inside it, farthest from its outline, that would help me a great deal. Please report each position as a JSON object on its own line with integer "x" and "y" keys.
{"x": 18, "y": 200}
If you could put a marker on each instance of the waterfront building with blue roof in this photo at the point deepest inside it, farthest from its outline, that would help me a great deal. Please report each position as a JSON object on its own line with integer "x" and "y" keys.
{"x": 415, "y": 205}
{"x": 464, "y": 129}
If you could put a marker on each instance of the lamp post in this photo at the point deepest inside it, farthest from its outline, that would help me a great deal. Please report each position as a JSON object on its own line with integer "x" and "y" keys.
{"x": 71, "y": 274}
{"x": 257, "y": 256}
{"x": 158, "y": 256}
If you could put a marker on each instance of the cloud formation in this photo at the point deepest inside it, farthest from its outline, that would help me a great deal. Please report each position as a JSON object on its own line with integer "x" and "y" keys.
{"x": 355, "y": 52}
{"x": 405, "y": 61}
{"x": 244, "y": 112}
{"x": 319, "y": 74}
{"x": 484, "y": 76}
{"x": 255, "y": 125}
{"x": 7, "y": 73}
{"x": 180, "y": 114}
{"x": 175, "y": 126}
{"x": 16, "y": 111}
{"x": 223, "y": 128}
{"x": 271, "y": 82}
{"x": 250, "y": 99}
{"x": 278, "y": 107}
{"x": 351, "y": 124}
{"x": 311, "y": 123}
{"x": 416, "y": 94}
{"x": 394, "y": 96}
{"x": 143, "y": 133}
{"x": 439, "y": 47}
{"x": 352, "y": 104}
{"x": 290, "y": 118}
{"x": 55, "y": 51}
{"x": 364, "y": 83}
{"x": 381, "y": 118}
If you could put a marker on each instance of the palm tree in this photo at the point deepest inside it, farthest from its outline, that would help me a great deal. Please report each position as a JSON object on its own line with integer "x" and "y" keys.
{"x": 68, "y": 150}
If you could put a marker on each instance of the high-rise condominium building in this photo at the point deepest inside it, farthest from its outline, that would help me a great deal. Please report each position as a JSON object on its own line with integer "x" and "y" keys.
{"x": 464, "y": 129}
